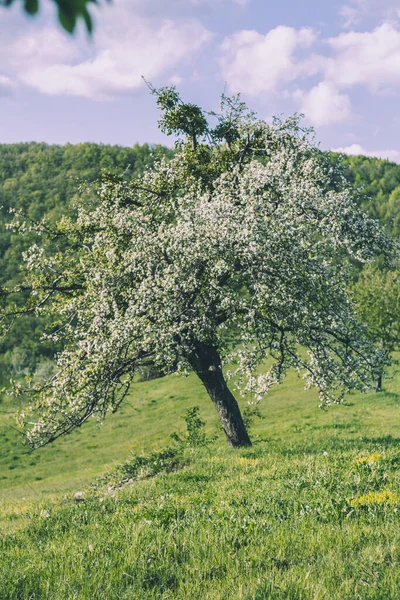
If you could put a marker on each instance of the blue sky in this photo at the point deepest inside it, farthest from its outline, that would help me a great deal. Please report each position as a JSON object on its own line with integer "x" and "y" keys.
{"x": 338, "y": 62}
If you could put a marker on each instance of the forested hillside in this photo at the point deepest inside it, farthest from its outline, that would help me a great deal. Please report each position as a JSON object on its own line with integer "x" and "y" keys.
{"x": 44, "y": 180}
{"x": 378, "y": 183}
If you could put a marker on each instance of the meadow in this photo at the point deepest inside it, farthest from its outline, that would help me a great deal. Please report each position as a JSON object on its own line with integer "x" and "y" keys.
{"x": 309, "y": 512}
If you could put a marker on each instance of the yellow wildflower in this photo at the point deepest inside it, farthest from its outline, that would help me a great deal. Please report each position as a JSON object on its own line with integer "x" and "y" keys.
{"x": 369, "y": 460}
{"x": 383, "y": 497}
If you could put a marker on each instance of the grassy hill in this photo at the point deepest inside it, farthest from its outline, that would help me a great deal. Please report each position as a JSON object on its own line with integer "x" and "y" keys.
{"x": 309, "y": 512}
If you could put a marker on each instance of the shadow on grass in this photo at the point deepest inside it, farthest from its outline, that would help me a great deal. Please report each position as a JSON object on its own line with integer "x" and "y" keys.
{"x": 388, "y": 441}
{"x": 389, "y": 395}
{"x": 329, "y": 444}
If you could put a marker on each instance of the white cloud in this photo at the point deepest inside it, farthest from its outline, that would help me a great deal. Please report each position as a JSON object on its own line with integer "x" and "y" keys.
{"x": 393, "y": 155}
{"x": 256, "y": 63}
{"x": 356, "y": 10}
{"x": 121, "y": 60}
{"x": 124, "y": 48}
{"x": 370, "y": 58}
{"x": 350, "y": 16}
{"x": 324, "y": 104}
{"x": 175, "y": 79}
{"x": 41, "y": 47}
{"x": 6, "y": 86}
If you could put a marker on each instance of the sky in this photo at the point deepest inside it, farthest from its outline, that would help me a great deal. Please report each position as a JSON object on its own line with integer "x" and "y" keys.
{"x": 335, "y": 61}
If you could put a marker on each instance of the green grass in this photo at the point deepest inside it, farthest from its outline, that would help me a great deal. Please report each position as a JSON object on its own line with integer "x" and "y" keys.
{"x": 310, "y": 512}
{"x": 143, "y": 423}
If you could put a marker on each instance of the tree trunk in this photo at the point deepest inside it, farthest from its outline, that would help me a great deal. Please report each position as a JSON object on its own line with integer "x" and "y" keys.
{"x": 206, "y": 363}
{"x": 378, "y": 383}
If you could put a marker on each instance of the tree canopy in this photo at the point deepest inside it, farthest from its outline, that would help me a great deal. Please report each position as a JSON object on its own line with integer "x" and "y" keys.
{"x": 377, "y": 293}
{"x": 242, "y": 230}
{"x": 68, "y": 11}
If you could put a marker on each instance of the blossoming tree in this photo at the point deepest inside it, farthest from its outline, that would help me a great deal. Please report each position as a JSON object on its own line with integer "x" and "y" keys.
{"x": 245, "y": 235}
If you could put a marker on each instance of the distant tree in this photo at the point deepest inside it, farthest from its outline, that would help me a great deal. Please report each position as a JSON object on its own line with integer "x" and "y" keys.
{"x": 69, "y": 11}
{"x": 238, "y": 234}
{"x": 390, "y": 211}
{"x": 377, "y": 293}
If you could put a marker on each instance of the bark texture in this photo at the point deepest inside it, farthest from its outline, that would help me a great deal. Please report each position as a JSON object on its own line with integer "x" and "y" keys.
{"x": 378, "y": 383}
{"x": 206, "y": 363}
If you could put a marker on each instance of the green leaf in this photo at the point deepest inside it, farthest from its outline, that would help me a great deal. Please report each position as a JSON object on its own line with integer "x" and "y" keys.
{"x": 67, "y": 20}
{"x": 88, "y": 20}
{"x": 32, "y": 6}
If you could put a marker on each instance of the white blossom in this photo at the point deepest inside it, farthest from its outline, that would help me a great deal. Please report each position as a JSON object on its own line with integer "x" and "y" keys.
{"x": 245, "y": 240}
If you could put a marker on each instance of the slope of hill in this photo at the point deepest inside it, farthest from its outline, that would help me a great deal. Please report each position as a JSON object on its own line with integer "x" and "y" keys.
{"x": 311, "y": 511}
